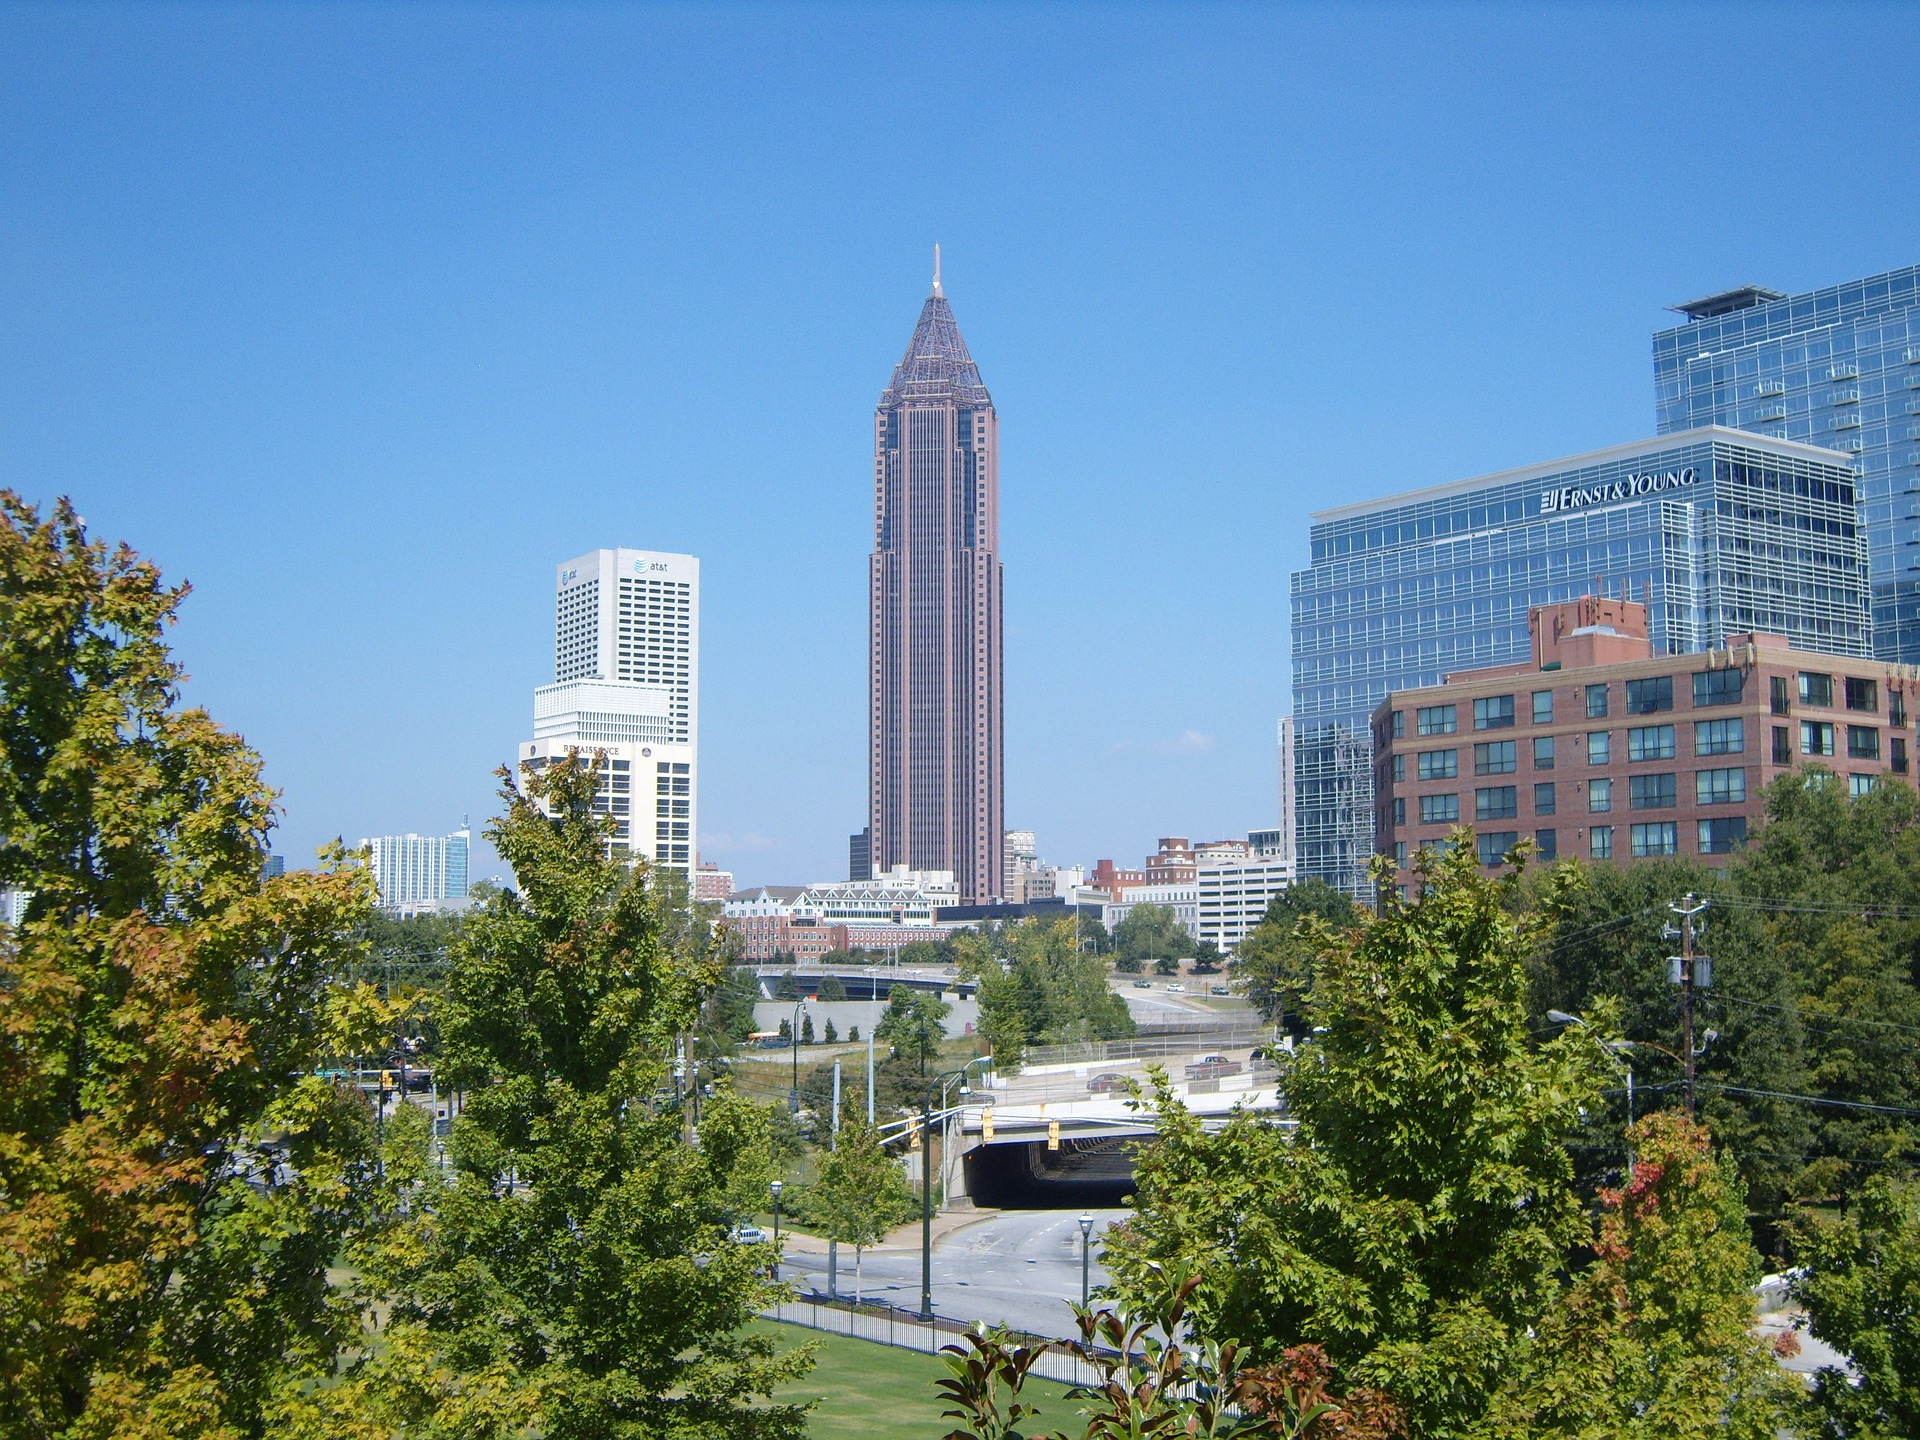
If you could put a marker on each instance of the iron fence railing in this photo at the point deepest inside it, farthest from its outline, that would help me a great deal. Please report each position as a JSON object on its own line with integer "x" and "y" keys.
{"x": 890, "y": 1325}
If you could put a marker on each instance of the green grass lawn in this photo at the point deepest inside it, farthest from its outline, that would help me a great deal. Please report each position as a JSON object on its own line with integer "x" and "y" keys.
{"x": 867, "y": 1391}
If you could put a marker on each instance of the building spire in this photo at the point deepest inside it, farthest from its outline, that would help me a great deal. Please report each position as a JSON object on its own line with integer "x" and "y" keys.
{"x": 936, "y": 270}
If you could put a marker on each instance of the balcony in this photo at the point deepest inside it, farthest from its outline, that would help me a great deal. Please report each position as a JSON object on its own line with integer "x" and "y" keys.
{"x": 1845, "y": 420}
{"x": 1770, "y": 412}
{"x": 1843, "y": 370}
{"x": 1848, "y": 396}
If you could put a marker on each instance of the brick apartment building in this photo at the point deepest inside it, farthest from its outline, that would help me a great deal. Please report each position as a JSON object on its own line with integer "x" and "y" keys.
{"x": 1597, "y": 747}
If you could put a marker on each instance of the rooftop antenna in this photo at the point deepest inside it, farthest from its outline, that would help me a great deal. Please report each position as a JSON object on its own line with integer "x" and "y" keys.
{"x": 936, "y": 270}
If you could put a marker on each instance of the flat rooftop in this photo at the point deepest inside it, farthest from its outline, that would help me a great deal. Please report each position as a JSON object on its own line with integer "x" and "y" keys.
{"x": 1707, "y": 307}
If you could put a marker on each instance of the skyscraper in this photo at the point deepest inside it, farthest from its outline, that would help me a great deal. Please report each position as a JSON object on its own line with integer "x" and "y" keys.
{"x": 419, "y": 874}
{"x": 935, "y": 761}
{"x": 626, "y": 671}
{"x": 1838, "y": 367}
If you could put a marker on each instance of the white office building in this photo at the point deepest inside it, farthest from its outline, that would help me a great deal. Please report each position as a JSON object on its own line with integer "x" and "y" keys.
{"x": 1233, "y": 896}
{"x": 626, "y": 675}
{"x": 420, "y": 874}
{"x": 1180, "y": 896}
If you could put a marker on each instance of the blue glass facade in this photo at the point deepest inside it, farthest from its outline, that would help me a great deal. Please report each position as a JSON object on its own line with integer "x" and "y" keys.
{"x": 1839, "y": 368}
{"x": 1720, "y": 532}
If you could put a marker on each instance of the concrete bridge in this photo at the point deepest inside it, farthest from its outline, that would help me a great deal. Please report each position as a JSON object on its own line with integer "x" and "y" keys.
{"x": 862, "y": 982}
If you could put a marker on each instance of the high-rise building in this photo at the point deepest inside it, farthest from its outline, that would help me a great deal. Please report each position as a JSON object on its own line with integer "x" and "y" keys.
{"x": 1838, "y": 367}
{"x": 935, "y": 763}
{"x": 1719, "y": 532}
{"x": 420, "y": 874}
{"x": 626, "y": 687}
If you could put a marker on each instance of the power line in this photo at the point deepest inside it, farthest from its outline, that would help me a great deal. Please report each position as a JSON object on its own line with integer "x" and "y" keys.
{"x": 1811, "y": 1099}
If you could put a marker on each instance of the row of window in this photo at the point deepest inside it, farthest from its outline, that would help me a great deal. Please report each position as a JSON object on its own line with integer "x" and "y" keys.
{"x": 1719, "y": 836}
{"x": 1819, "y": 738}
{"x": 1644, "y": 792}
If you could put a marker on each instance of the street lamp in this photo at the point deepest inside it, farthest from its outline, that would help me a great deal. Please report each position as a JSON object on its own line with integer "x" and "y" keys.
{"x": 1618, "y": 1049}
{"x": 1086, "y": 1250}
{"x": 775, "y": 1188}
{"x": 940, "y": 1083}
{"x": 793, "y": 1095}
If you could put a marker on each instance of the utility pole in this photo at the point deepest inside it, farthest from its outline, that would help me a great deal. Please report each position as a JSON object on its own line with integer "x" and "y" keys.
{"x": 1688, "y": 907}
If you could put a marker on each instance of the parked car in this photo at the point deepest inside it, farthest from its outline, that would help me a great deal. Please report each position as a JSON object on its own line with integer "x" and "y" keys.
{"x": 1107, "y": 1083}
{"x": 1176, "y": 988}
{"x": 1219, "y": 990}
{"x": 747, "y": 1235}
{"x": 1212, "y": 1067}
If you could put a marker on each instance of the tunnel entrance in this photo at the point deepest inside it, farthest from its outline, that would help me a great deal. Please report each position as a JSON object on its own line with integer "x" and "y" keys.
{"x": 1080, "y": 1175}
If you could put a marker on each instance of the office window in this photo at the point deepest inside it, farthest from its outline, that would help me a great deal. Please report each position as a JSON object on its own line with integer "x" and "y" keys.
{"x": 1858, "y": 785}
{"x": 1863, "y": 742}
{"x": 1658, "y": 837}
{"x": 1718, "y": 687}
{"x": 1600, "y": 842}
{"x": 1399, "y": 722}
{"x": 1719, "y": 737}
{"x": 1496, "y": 845}
{"x": 1400, "y": 852}
{"x": 1650, "y": 742}
{"x": 1782, "y": 750}
{"x": 1493, "y": 712}
{"x": 1543, "y": 752}
{"x": 1644, "y": 697}
{"x": 1896, "y": 708}
{"x": 1599, "y": 795}
{"x": 1399, "y": 769}
{"x": 1652, "y": 792}
{"x": 1599, "y": 747}
{"x": 1439, "y": 809}
{"x": 1816, "y": 737}
{"x": 1543, "y": 799}
{"x": 1543, "y": 707}
{"x": 1399, "y": 810}
{"x": 1816, "y": 689}
{"x": 1596, "y": 702}
{"x": 1720, "y": 787}
{"x": 1548, "y": 842}
{"x": 1777, "y": 694}
{"x": 1496, "y": 802}
{"x": 1897, "y": 754}
{"x": 1438, "y": 764}
{"x": 1496, "y": 757}
{"x": 1863, "y": 694}
{"x": 1435, "y": 720}
{"x": 1723, "y": 836}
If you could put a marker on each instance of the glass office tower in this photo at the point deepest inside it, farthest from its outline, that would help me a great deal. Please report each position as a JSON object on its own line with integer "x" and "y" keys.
{"x": 1719, "y": 531}
{"x": 1839, "y": 368}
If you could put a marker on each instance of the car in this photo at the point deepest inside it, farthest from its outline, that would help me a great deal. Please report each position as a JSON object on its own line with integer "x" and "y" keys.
{"x": 1212, "y": 1067}
{"x": 1176, "y": 988}
{"x": 1219, "y": 990}
{"x": 1143, "y": 984}
{"x": 1107, "y": 1083}
{"x": 747, "y": 1235}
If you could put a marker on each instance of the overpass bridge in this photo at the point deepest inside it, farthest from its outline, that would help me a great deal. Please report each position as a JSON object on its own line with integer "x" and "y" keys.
{"x": 862, "y": 982}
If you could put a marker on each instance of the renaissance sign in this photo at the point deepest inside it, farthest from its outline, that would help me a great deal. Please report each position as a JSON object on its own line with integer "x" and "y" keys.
{"x": 1577, "y": 497}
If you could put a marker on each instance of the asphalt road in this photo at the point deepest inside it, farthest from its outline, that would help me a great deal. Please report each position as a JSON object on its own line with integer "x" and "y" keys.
{"x": 1017, "y": 1267}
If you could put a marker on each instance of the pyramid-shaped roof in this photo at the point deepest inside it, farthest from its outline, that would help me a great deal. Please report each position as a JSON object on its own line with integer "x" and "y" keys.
{"x": 936, "y": 367}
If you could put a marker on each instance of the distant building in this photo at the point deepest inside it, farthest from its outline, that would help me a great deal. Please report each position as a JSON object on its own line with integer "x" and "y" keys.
{"x": 13, "y": 905}
{"x": 1172, "y": 863}
{"x": 1182, "y": 897}
{"x": 1599, "y": 746}
{"x": 888, "y": 911}
{"x": 273, "y": 867}
{"x": 420, "y": 874}
{"x": 1234, "y": 893}
{"x": 1288, "y": 818}
{"x": 711, "y": 883}
{"x": 1021, "y": 859}
{"x": 1115, "y": 881}
{"x": 860, "y": 854}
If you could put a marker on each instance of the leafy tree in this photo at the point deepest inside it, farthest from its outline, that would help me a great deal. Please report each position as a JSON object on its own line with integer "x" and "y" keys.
{"x": 786, "y": 1028}
{"x": 579, "y": 1255}
{"x": 1207, "y": 958}
{"x": 853, "y": 1032}
{"x": 1149, "y": 932}
{"x": 1276, "y": 961}
{"x": 1861, "y": 1290}
{"x": 830, "y": 1034}
{"x": 728, "y": 1012}
{"x": 1166, "y": 965}
{"x": 1049, "y": 992}
{"x": 806, "y": 1028}
{"x": 860, "y": 1194}
{"x": 913, "y": 1022}
{"x": 786, "y": 988}
{"x": 172, "y": 1187}
{"x": 1129, "y": 964}
{"x": 833, "y": 988}
{"x": 1415, "y": 1223}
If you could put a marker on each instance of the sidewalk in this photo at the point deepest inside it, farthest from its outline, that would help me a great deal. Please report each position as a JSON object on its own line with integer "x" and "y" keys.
{"x": 903, "y": 1240}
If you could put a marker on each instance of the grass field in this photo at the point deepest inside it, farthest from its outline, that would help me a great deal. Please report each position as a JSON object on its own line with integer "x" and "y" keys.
{"x": 867, "y": 1391}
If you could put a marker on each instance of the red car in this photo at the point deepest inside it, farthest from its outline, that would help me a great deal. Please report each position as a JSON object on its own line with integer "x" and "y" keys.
{"x": 1109, "y": 1083}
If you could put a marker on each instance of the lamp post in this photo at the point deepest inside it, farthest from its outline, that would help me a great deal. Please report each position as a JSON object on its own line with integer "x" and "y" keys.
{"x": 793, "y": 1095}
{"x": 775, "y": 1188}
{"x": 1086, "y": 1252}
{"x": 940, "y": 1084}
{"x": 1618, "y": 1049}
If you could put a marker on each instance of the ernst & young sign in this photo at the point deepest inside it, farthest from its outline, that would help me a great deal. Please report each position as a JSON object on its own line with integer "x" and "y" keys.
{"x": 1576, "y": 497}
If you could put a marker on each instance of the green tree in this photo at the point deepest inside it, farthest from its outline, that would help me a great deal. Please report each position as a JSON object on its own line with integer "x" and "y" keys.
{"x": 913, "y": 1022}
{"x": 579, "y": 1255}
{"x": 1149, "y": 932}
{"x": 833, "y": 988}
{"x": 786, "y": 988}
{"x": 1047, "y": 992}
{"x": 1415, "y": 1223}
{"x": 1274, "y": 959}
{"x": 172, "y": 1187}
{"x": 1166, "y": 965}
{"x": 830, "y": 1034}
{"x": 860, "y": 1194}
{"x": 806, "y": 1028}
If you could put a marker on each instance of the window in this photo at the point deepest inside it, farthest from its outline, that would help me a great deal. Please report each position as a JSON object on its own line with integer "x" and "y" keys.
{"x": 1439, "y": 809}
{"x": 1723, "y": 836}
{"x": 1435, "y": 720}
{"x": 1720, "y": 787}
{"x": 1777, "y": 694}
{"x": 1439, "y": 764}
{"x": 1399, "y": 769}
{"x": 1718, "y": 687}
{"x": 1650, "y": 742}
{"x": 1599, "y": 748}
{"x": 1549, "y": 843}
{"x": 1816, "y": 689}
{"x": 1600, "y": 842}
{"x": 1400, "y": 852}
{"x": 1543, "y": 799}
{"x": 1782, "y": 750}
{"x": 1496, "y": 757}
{"x": 1399, "y": 811}
{"x": 1399, "y": 724}
{"x": 1494, "y": 712}
{"x": 1596, "y": 701}
{"x": 1496, "y": 802}
{"x": 1858, "y": 785}
{"x": 1599, "y": 795}
{"x": 1719, "y": 737}
{"x": 1495, "y": 845}
{"x": 1897, "y": 754}
{"x": 1863, "y": 742}
{"x": 1863, "y": 694}
{"x": 1543, "y": 752}
{"x": 1652, "y": 792}
{"x": 1896, "y": 708}
{"x": 1644, "y": 697}
{"x": 1543, "y": 707}
{"x": 1659, "y": 837}
{"x": 1816, "y": 737}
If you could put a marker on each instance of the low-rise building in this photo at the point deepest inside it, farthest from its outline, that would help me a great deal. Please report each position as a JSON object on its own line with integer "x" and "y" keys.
{"x": 1182, "y": 898}
{"x": 1597, "y": 747}
{"x": 711, "y": 883}
{"x": 1234, "y": 893}
{"x": 1172, "y": 863}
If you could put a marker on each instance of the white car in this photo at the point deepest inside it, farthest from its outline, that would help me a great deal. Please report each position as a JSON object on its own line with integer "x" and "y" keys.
{"x": 747, "y": 1235}
{"x": 1176, "y": 988}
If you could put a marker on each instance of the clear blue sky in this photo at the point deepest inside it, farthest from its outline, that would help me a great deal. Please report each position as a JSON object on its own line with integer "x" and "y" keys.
{"x": 360, "y": 318}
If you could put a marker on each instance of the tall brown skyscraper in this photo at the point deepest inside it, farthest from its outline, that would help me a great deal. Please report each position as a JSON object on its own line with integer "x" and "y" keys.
{"x": 935, "y": 759}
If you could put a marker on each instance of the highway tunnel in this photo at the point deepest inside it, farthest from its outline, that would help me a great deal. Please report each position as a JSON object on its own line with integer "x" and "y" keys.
{"x": 1082, "y": 1174}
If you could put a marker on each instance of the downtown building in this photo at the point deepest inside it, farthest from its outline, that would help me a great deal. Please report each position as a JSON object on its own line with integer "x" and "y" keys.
{"x": 1717, "y": 531}
{"x": 420, "y": 874}
{"x": 626, "y": 688}
{"x": 1837, "y": 368}
{"x": 935, "y": 722}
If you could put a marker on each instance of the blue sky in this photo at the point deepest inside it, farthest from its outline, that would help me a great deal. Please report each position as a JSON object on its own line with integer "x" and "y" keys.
{"x": 359, "y": 318}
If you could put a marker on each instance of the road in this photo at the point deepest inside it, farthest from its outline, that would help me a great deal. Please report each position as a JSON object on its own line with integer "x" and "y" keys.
{"x": 1015, "y": 1267}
